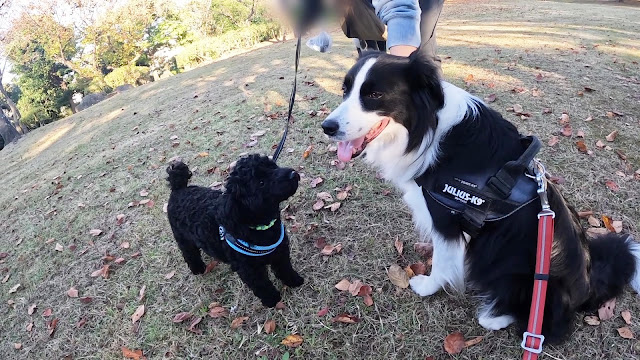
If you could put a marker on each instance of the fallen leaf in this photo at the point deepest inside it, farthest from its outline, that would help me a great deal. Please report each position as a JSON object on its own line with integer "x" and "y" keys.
{"x": 132, "y": 354}
{"x": 180, "y": 317}
{"x": 333, "y": 207}
{"x": 399, "y": 245}
{"x": 81, "y": 323}
{"x": 30, "y": 326}
{"x": 606, "y": 311}
{"x": 292, "y": 341}
{"x": 17, "y": 346}
{"x": 424, "y": 249}
{"x": 31, "y": 309}
{"x": 14, "y": 288}
{"x": 238, "y": 322}
{"x": 582, "y": 147}
{"x": 354, "y": 288}
{"x": 626, "y": 333}
{"x": 47, "y": 312}
{"x": 315, "y": 182}
{"x": 517, "y": 108}
{"x": 269, "y": 326}
{"x": 203, "y": 154}
{"x": 141, "y": 292}
{"x": 343, "y": 285}
{"x": 593, "y": 221}
{"x": 86, "y": 299}
{"x": 307, "y": 152}
{"x": 608, "y": 223}
{"x": 612, "y": 136}
{"x": 564, "y": 119}
{"x": 51, "y": 326}
{"x": 626, "y": 315}
{"x": 592, "y": 320}
{"x": 537, "y": 92}
{"x": 6, "y": 278}
{"x": 103, "y": 271}
{"x": 218, "y": 312}
{"x": 617, "y": 226}
{"x": 596, "y": 232}
{"x": 584, "y": 214}
{"x": 144, "y": 193}
{"x": 151, "y": 203}
{"x": 251, "y": 143}
{"x": 612, "y": 185}
{"x": 211, "y": 266}
{"x": 137, "y": 314}
{"x": 409, "y": 272}
{"x": 346, "y": 319}
{"x": 553, "y": 141}
{"x": 398, "y": 276}
{"x": 539, "y": 77}
{"x": 566, "y": 130}
{"x": 476, "y": 340}
{"x": 590, "y": 118}
{"x": 491, "y": 98}
{"x": 73, "y": 292}
{"x": 325, "y": 196}
{"x": 368, "y": 300}
{"x": 59, "y": 247}
{"x": 318, "y": 205}
{"x": 557, "y": 179}
{"x": 120, "y": 219}
{"x": 323, "y": 312}
{"x": 600, "y": 144}
{"x": 165, "y": 208}
{"x": 620, "y": 154}
{"x": 170, "y": 275}
{"x": 280, "y": 306}
{"x": 418, "y": 268}
{"x": 193, "y": 326}
{"x": 342, "y": 195}
{"x": 95, "y": 232}
{"x": 454, "y": 343}
{"x": 329, "y": 250}
{"x": 580, "y": 134}
{"x": 125, "y": 245}
{"x": 547, "y": 110}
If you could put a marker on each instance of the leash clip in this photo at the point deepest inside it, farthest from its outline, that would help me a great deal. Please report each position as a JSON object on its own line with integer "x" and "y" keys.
{"x": 540, "y": 173}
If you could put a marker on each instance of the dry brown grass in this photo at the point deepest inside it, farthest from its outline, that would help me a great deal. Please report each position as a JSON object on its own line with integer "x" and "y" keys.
{"x": 104, "y": 164}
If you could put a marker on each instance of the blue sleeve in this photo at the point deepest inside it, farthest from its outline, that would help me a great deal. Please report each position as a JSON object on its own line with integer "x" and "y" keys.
{"x": 402, "y": 18}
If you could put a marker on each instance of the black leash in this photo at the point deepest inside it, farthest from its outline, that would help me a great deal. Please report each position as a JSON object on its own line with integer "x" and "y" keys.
{"x": 292, "y": 100}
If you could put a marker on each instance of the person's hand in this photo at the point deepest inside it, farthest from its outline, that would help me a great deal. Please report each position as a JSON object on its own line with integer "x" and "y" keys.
{"x": 402, "y": 50}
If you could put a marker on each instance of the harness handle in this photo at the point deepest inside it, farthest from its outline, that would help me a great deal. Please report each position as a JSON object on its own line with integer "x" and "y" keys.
{"x": 292, "y": 99}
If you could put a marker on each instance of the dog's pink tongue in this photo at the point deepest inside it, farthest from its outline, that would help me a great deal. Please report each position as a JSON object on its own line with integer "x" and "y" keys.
{"x": 346, "y": 148}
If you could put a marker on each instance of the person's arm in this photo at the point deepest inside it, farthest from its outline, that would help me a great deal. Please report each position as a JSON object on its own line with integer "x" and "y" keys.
{"x": 402, "y": 18}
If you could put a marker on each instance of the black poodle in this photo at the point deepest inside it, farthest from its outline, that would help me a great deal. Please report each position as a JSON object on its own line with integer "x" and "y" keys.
{"x": 240, "y": 226}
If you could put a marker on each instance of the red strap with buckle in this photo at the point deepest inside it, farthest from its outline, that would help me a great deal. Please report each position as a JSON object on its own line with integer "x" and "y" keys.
{"x": 533, "y": 339}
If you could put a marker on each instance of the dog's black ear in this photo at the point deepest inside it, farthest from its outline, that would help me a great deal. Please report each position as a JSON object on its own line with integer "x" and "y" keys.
{"x": 426, "y": 94}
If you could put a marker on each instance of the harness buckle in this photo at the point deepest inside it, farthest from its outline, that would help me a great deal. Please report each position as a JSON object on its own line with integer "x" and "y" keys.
{"x": 526, "y": 337}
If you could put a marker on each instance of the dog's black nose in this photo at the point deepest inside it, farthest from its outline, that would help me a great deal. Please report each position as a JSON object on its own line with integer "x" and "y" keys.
{"x": 294, "y": 175}
{"x": 330, "y": 127}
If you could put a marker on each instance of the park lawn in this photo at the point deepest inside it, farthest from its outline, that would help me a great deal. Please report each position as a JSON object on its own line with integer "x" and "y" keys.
{"x": 63, "y": 180}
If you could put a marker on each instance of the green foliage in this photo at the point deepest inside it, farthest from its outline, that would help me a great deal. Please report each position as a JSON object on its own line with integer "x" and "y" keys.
{"x": 126, "y": 75}
{"x": 210, "y": 48}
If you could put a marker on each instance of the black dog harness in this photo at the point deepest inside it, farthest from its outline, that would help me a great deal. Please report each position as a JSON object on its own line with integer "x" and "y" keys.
{"x": 246, "y": 248}
{"x": 490, "y": 195}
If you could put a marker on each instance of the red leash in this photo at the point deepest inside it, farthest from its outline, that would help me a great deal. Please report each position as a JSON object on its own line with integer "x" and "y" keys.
{"x": 532, "y": 339}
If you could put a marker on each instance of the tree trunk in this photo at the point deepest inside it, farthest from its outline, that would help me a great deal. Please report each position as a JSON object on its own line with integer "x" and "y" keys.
{"x": 7, "y": 131}
{"x": 12, "y": 105}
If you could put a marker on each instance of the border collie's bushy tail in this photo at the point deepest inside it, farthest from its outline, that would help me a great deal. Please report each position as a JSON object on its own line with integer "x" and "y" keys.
{"x": 179, "y": 175}
{"x": 615, "y": 262}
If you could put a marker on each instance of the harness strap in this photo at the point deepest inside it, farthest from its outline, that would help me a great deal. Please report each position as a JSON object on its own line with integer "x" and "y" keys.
{"x": 246, "y": 248}
{"x": 505, "y": 179}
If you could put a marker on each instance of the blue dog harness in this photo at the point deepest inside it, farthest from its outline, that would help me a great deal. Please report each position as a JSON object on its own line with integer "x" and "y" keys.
{"x": 245, "y": 248}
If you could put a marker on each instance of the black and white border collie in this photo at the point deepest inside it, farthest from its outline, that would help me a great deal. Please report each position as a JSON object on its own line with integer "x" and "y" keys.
{"x": 402, "y": 119}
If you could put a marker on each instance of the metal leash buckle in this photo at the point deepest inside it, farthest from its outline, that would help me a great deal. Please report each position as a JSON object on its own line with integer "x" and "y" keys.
{"x": 540, "y": 173}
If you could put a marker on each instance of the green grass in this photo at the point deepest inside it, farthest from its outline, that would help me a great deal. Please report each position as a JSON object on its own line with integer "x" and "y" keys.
{"x": 122, "y": 146}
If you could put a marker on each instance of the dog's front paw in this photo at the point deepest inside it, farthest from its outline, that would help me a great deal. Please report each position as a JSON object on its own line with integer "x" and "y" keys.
{"x": 197, "y": 270}
{"x": 294, "y": 281}
{"x": 424, "y": 285}
{"x": 271, "y": 301}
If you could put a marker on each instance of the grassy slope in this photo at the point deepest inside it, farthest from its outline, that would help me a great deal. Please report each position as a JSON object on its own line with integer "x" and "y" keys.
{"x": 105, "y": 156}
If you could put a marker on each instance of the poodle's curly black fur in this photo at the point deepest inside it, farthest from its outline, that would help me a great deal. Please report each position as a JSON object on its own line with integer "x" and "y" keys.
{"x": 254, "y": 190}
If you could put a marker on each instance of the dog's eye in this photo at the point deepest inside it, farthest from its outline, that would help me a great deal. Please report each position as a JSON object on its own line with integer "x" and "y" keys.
{"x": 374, "y": 95}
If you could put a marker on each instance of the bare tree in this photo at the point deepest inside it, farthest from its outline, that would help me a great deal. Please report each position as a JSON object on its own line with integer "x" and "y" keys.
{"x": 7, "y": 131}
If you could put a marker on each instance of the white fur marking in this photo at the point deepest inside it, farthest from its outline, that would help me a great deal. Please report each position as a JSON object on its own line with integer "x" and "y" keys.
{"x": 634, "y": 248}
{"x": 491, "y": 322}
